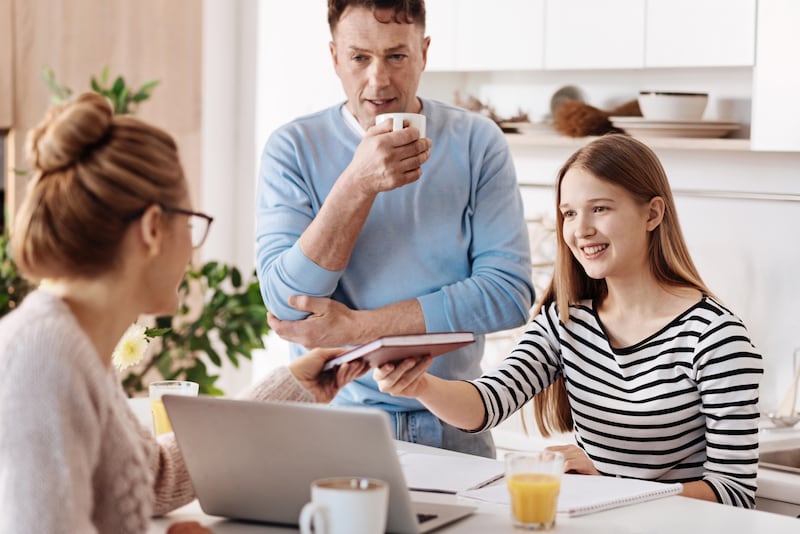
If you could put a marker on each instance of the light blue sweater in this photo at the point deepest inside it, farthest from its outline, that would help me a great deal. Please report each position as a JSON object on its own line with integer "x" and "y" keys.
{"x": 455, "y": 240}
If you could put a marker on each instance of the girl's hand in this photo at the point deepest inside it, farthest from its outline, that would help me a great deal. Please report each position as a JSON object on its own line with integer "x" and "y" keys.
{"x": 575, "y": 460}
{"x": 406, "y": 378}
{"x": 325, "y": 385}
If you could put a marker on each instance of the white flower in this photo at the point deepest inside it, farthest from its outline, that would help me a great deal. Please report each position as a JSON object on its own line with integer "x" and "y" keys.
{"x": 131, "y": 347}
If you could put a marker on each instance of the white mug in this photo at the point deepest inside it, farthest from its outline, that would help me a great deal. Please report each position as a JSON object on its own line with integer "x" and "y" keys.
{"x": 414, "y": 119}
{"x": 346, "y": 505}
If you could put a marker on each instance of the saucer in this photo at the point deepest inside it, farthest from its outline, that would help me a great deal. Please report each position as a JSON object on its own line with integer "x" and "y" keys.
{"x": 640, "y": 126}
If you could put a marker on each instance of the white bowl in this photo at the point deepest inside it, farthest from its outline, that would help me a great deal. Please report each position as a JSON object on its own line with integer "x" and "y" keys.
{"x": 672, "y": 106}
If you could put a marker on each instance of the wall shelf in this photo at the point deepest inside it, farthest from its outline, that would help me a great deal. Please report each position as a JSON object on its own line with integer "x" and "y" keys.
{"x": 549, "y": 140}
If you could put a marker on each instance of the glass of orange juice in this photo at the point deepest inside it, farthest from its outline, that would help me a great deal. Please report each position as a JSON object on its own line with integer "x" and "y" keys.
{"x": 534, "y": 480}
{"x": 161, "y": 423}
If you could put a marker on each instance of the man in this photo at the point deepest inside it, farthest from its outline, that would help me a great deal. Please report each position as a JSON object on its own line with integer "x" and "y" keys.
{"x": 356, "y": 240}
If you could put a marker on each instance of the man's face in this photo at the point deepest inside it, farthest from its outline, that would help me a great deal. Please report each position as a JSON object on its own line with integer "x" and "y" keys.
{"x": 379, "y": 64}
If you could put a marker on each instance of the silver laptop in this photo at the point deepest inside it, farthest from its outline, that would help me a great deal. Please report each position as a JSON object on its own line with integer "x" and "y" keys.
{"x": 255, "y": 460}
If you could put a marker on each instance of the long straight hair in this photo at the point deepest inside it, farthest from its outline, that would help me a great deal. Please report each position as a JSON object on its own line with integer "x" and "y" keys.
{"x": 630, "y": 164}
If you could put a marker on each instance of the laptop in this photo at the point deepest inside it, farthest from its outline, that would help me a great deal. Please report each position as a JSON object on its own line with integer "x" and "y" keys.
{"x": 255, "y": 460}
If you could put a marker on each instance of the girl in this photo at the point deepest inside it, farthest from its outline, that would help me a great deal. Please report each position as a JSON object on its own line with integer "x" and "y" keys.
{"x": 629, "y": 349}
{"x": 108, "y": 220}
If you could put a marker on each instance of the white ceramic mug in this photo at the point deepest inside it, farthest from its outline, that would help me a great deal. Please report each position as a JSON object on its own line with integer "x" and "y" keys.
{"x": 398, "y": 121}
{"x": 346, "y": 505}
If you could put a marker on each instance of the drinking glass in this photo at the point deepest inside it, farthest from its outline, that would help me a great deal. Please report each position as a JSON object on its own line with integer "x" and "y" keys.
{"x": 534, "y": 480}
{"x": 161, "y": 424}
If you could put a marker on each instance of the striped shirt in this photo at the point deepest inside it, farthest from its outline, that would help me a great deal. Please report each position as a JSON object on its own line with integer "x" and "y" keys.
{"x": 678, "y": 406}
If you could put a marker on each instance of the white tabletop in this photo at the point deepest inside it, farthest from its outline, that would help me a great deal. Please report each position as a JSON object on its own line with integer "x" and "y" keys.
{"x": 668, "y": 515}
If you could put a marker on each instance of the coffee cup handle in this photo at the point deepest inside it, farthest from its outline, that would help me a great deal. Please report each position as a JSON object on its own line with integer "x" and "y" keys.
{"x": 313, "y": 513}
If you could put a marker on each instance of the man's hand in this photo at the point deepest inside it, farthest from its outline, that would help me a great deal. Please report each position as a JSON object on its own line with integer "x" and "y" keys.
{"x": 331, "y": 324}
{"x": 386, "y": 160}
{"x": 307, "y": 369}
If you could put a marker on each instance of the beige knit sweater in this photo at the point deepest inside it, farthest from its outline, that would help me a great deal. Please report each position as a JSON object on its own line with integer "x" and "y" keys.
{"x": 73, "y": 457}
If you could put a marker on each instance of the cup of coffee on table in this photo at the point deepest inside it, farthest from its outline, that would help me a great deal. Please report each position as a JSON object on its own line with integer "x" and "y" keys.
{"x": 346, "y": 505}
{"x": 401, "y": 120}
{"x": 534, "y": 481}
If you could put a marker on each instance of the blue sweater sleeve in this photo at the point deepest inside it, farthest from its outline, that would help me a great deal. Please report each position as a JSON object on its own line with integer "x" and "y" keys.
{"x": 285, "y": 207}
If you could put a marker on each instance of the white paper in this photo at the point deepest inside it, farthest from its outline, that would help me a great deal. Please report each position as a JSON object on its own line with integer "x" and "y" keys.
{"x": 449, "y": 474}
{"x": 584, "y": 494}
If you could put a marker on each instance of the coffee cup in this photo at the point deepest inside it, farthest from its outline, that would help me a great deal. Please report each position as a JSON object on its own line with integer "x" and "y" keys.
{"x": 346, "y": 505}
{"x": 416, "y": 120}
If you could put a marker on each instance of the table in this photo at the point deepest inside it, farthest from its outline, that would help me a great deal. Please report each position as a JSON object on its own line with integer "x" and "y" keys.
{"x": 669, "y": 515}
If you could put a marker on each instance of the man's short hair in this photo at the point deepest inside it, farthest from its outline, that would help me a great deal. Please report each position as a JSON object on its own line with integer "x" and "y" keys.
{"x": 404, "y": 11}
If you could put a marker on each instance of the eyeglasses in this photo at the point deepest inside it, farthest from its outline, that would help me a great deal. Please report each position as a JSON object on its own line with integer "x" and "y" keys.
{"x": 200, "y": 223}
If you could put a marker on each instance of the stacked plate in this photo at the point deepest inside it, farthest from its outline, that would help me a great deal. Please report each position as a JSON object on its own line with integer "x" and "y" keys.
{"x": 641, "y": 127}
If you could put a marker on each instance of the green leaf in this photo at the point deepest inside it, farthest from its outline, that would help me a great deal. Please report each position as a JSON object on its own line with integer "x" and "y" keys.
{"x": 148, "y": 86}
{"x": 156, "y": 332}
{"x": 119, "y": 83}
{"x": 236, "y": 277}
{"x": 104, "y": 75}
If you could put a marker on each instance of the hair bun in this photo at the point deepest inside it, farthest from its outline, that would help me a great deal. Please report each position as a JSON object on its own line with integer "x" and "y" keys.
{"x": 68, "y": 132}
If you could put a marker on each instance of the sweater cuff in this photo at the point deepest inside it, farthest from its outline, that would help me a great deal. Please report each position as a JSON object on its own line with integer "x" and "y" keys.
{"x": 279, "y": 385}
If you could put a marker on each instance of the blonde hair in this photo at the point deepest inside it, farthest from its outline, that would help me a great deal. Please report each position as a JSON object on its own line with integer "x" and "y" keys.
{"x": 93, "y": 173}
{"x": 632, "y": 165}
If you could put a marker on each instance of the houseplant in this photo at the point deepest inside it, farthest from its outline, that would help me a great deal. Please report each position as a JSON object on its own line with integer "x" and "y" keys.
{"x": 221, "y": 315}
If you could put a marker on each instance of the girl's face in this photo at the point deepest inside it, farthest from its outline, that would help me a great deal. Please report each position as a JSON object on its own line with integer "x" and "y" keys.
{"x": 604, "y": 227}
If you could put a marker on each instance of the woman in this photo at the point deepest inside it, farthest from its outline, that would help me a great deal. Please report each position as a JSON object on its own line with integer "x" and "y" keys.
{"x": 107, "y": 220}
{"x": 629, "y": 348}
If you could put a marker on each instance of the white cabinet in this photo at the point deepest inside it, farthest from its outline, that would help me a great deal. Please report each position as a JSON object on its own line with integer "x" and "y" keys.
{"x": 776, "y": 77}
{"x": 475, "y": 35}
{"x": 700, "y": 33}
{"x": 594, "y": 34}
{"x": 440, "y": 25}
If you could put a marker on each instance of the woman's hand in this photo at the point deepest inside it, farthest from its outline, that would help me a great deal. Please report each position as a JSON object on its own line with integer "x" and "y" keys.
{"x": 406, "y": 378}
{"x": 575, "y": 460}
{"x": 324, "y": 385}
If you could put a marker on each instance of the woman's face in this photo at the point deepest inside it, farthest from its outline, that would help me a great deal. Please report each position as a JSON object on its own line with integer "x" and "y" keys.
{"x": 169, "y": 267}
{"x": 605, "y": 228}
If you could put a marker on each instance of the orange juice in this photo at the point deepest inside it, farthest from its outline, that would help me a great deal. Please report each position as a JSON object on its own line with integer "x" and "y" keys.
{"x": 161, "y": 423}
{"x": 534, "y": 497}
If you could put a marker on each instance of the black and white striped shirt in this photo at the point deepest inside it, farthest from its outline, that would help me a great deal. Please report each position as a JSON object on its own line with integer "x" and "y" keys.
{"x": 678, "y": 406}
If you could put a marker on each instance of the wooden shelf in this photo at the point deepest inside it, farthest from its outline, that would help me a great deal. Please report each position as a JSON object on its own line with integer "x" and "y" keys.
{"x": 548, "y": 140}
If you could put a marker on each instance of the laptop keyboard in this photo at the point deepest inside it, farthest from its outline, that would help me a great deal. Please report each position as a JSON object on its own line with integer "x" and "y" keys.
{"x": 421, "y": 518}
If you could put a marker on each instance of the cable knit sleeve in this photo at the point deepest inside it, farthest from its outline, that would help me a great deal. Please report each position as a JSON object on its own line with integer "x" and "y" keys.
{"x": 172, "y": 487}
{"x": 279, "y": 385}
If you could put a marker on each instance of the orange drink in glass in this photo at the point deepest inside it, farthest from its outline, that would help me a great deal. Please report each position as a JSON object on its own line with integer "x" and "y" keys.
{"x": 161, "y": 424}
{"x": 534, "y": 480}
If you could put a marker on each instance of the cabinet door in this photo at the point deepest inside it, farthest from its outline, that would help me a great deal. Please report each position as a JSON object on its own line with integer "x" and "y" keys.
{"x": 700, "y": 33}
{"x": 594, "y": 34}
{"x": 440, "y": 26}
{"x": 6, "y": 72}
{"x": 500, "y": 35}
{"x": 776, "y": 78}
{"x": 475, "y": 35}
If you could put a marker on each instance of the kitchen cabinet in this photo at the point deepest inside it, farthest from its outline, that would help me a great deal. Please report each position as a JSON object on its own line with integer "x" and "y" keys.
{"x": 700, "y": 33}
{"x": 590, "y": 34}
{"x": 594, "y": 34}
{"x": 465, "y": 36}
{"x": 6, "y": 70}
{"x": 776, "y": 78}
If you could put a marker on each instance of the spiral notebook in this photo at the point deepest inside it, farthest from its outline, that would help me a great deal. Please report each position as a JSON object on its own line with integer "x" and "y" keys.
{"x": 584, "y": 494}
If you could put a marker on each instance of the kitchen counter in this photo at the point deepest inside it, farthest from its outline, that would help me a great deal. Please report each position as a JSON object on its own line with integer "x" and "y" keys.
{"x": 777, "y": 485}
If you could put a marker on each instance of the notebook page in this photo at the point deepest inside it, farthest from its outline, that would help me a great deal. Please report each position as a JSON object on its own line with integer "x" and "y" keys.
{"x": 585, "y": 494}
{"x": 448, "y": 474}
